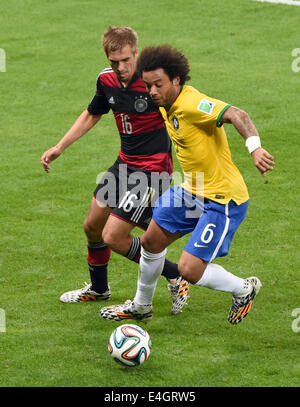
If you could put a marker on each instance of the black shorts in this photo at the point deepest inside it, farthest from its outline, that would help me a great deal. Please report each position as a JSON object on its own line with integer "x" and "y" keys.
{"x": 131, "y": 193}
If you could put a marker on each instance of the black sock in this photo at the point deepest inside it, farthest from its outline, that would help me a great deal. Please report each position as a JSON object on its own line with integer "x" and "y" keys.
{"x": 98, "y": 257}
{"x": 170, "y": 270}
{"x": 134, "y": 253}
{"x": 98, "y": 276}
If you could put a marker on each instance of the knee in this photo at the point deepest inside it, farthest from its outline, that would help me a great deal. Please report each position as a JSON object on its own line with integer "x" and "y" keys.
{"x": 110, "y": 237}
{"x": 189, "y": 272}
{"x": 151, "y": 245}
{"x": 88, "y": 228}
{"x": 185, "y": 271}
{"x": 119, "y": 241}
{"x": 92, "y": 231}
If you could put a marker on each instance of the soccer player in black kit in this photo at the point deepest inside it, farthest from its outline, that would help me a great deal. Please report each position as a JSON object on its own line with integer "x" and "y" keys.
{"x": 122, "y": 199}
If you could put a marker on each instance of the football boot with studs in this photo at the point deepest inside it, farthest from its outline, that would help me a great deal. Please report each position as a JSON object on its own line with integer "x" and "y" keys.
{"x": 179, "y": 289}
{"x": 241, "y": 304}
{"x": 128, "y": 310}
{"x": 84, "y": 294}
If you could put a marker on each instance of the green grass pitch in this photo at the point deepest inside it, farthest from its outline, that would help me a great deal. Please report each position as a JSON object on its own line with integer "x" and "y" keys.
{"x": 239, "y": 52}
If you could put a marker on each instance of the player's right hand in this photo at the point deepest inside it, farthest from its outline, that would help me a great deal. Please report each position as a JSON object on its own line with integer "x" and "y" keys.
{"x": 48, "y": 156}
{"x": 263, "y": 160}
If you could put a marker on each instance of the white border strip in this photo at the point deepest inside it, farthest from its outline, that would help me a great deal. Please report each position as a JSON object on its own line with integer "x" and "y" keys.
{"x": 223, "y": 234}
{"x": 286, "y": 2}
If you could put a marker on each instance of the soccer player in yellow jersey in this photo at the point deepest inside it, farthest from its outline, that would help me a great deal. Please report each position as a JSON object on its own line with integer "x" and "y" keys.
{"x": 213, "y": 199}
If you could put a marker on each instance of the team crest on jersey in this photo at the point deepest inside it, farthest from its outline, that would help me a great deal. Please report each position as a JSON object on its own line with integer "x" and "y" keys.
{"x": 141, "y": 104}
{"x": 175, "y": 123}
{"x": 206, "y": 106}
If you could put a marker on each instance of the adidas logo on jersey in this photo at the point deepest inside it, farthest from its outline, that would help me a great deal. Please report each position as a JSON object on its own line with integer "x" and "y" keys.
{"x": 111, "y": 100}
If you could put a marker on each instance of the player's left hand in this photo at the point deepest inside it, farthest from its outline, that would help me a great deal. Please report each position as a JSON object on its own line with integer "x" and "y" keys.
{"x": 263, "y": 160}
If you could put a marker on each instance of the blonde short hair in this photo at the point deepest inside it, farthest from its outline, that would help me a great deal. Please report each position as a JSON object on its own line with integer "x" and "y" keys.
{"x": 116, "y": 38}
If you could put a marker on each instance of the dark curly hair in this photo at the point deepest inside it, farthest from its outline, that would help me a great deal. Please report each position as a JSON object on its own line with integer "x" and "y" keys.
{"x": 172, "y": 61}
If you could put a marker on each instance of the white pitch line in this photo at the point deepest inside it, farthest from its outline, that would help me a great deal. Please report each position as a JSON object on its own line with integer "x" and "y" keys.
{"x": 286, "y": 2}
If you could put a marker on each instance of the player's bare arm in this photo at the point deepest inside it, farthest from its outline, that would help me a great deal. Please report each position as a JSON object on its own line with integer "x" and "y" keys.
{"x": 241, "y": 120}
{"x": 81, "y": 126}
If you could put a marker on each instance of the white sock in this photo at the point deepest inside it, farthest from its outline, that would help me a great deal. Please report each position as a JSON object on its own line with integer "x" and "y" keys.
{"x": 217, "y": 278}
{"x": 151, "y": 266}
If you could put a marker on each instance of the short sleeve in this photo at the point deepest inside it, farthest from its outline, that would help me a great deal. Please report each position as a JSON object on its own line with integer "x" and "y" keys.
{"x": 99, "y": 103}
{"x": 207, "y": 110}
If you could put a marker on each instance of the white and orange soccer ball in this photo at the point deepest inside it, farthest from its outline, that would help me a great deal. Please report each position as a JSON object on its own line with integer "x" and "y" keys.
{"x": 130, "y": 345}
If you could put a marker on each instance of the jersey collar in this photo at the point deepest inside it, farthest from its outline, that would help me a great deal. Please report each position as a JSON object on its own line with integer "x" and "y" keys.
{"x": 133, "y": 79}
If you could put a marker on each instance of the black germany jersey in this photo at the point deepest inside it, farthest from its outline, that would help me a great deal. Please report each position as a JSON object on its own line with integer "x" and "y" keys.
{"x": 145, "y": 142}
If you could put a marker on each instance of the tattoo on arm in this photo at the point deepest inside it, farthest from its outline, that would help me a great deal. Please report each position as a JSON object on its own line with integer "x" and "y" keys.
{"x": 241, "y": 122}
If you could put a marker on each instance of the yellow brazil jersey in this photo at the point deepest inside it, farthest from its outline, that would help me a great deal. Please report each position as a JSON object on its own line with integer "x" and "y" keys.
{"x": 201, "y": 146}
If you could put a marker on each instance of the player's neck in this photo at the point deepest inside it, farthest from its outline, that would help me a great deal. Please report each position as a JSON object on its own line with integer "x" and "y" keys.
{"x": 126, "y": 83}
{"x": 173, "y": 99}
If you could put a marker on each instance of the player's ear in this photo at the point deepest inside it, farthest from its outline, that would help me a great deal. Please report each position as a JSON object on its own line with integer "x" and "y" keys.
{"x": 176, "y": 81}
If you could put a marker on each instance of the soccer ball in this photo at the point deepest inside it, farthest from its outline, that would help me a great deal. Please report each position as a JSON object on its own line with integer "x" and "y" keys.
{"x": 129, "y": 345}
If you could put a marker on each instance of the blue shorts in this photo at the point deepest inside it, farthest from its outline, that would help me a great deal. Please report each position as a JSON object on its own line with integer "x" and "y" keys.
{"x": 213, "y": 225}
